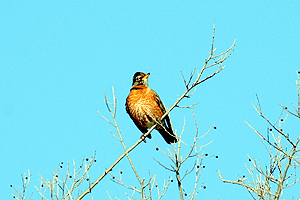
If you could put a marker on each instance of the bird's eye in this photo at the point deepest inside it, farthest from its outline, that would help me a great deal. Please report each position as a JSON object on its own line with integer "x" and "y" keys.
{"x": 138, "y": 78}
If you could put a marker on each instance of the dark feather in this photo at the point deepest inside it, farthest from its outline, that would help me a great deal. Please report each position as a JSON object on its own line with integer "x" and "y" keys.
{"x": 167, "y": 130}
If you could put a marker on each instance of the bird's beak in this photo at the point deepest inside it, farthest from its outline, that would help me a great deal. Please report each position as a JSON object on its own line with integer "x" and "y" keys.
{"x": 145, "y": 77}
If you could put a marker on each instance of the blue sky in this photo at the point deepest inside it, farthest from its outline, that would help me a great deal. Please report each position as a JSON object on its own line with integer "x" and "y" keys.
{"x": 58, "y": 59}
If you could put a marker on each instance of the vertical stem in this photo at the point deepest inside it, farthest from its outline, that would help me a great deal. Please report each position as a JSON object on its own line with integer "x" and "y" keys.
{"x": 282, "y": 178}
{"x": 179, "y": 185}
{"x": 298, "y": 91}
{"x": 178, "y": 164}
{"x": 142, "y": 189}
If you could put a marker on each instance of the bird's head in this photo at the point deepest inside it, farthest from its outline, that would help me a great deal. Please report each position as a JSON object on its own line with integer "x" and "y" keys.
{"x": 140, "y": 78}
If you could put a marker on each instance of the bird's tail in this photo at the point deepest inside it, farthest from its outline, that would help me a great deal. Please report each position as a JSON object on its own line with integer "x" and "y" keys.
{"x": 168, "y": 135}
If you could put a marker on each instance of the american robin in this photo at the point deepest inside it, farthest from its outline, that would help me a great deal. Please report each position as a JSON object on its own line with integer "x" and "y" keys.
{"x": 146, "y": 109}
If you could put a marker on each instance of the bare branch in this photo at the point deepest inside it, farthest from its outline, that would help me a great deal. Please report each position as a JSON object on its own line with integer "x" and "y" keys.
{"x": 218, "y": 60}
{"x": 268, "y": 184}
{"x": 21, "y": 194}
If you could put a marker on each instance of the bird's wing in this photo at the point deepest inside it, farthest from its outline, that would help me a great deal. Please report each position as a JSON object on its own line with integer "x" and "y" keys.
{"x": 163, "y": 108}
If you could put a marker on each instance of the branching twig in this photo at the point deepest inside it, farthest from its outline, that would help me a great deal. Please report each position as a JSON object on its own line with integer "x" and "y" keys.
{"x": 268, "y": 184}
{"x": 218, "y": 61}
{"x": 65, "y": 187}
{"x": 21, "y": 195}
{"x": 175, "y": 156}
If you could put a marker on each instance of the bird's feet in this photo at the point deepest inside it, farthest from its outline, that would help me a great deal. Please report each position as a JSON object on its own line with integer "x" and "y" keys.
{"x": 143, "y": 138}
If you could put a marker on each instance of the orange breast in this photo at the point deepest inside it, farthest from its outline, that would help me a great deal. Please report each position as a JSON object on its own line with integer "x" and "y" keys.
{"x": 142, "y": 106}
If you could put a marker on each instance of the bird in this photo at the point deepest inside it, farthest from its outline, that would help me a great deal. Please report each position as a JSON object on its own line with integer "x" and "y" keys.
{"x": 145, "y": 108}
